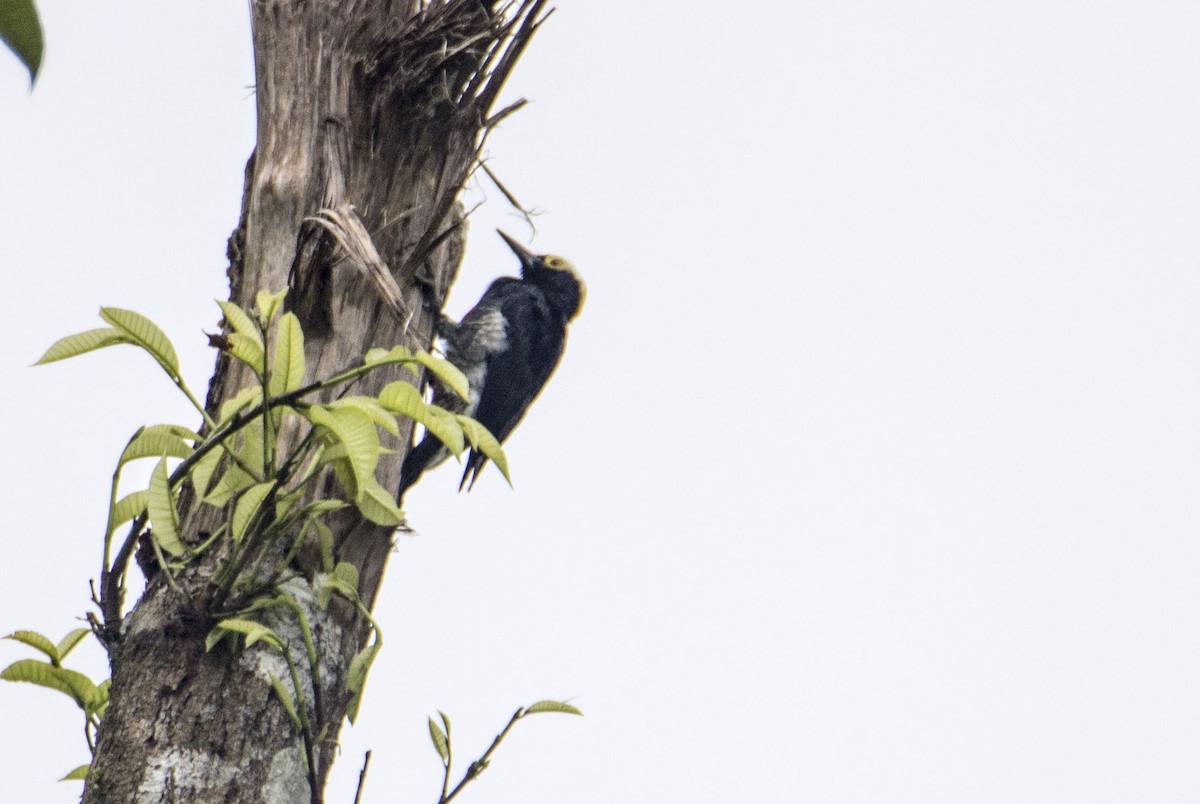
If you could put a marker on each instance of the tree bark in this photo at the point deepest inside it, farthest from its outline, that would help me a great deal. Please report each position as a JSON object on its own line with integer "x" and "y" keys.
{"x": 371, "y": 114}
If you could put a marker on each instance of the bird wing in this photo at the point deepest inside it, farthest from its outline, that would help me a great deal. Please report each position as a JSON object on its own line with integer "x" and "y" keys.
{"x": 516, "y": 375}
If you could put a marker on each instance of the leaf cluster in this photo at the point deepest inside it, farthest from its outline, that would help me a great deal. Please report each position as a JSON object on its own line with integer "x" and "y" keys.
{"x": 440, "y": 736}
{"x": 257, "y": 462}
{"x": 90, "y": 697}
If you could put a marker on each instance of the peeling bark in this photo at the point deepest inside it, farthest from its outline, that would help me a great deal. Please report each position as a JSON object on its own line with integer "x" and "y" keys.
{"x": 374, "y": 112}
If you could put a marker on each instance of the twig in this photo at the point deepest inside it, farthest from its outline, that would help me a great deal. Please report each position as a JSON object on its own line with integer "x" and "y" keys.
{"x": 362, "y": 777}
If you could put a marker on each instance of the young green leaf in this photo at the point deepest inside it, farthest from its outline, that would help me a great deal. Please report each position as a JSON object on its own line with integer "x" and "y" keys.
{"x": 378, "y": 505}
{"x": 285, "y": 698}
{"x": 405, "y": 399}
{"x": 247, "y": 506}
{"x": 203, "y": 471}
{"x": 250, "y": 448}
{"x": 35, "y": 640}
{"x": 246, "y": 398}
{"x": 269, "y": 303}
{"x": 75, "y": 685}
{"x": 239, "y": 322}
{"x": 440, "y": 742}
{"x": 82, "y": 342}
{"x": 155, "y": 442}
{"x": 376, "y": 412}
{"x": 127, "y": 508}
{"x": 395, "y": 355}
{"x": 552, "y": 706}
{"x": 356, "y": 677}
{"x": 69, "y": 642}
{"x": 287, "y": 369}
{"x": 247, "y": 350}
{"x": 325, "y": 540}
{"x": 482, "y": 440}
{"x": 102, "y": 696}
{"x": 354, "y": 430}
{"x": 164, "y": 519}
{"x": 447, "y": 372}
{"x": 233, "y": 482}
{"x": 146, "y": 334}
{"x": 252, "y": 631}
{"x": 77, "y": 775}
{"x": 347, "y": 573}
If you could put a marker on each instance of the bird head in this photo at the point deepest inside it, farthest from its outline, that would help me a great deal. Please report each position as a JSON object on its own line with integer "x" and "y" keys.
{"x": 555, "y": 274}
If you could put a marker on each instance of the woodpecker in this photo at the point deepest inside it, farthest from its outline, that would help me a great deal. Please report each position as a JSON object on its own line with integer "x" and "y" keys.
{"x": 508, "y": 345}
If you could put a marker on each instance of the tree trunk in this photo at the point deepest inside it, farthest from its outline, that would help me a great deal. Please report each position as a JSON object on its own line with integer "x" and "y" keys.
{"x": 371, "y": 114}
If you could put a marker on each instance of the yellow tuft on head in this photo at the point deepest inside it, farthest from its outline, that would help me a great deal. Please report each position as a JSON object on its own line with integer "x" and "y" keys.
{"x": 556, "y": 263}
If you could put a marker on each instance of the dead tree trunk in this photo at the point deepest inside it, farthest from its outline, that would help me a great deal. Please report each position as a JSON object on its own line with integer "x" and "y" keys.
{"x": 371, "y": 114}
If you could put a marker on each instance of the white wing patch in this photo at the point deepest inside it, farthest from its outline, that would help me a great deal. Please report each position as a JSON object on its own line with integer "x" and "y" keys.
{"x": 488, "y": 336}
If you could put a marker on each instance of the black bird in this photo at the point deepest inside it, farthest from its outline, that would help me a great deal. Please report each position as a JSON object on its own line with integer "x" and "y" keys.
{"x": 508, "y": 345}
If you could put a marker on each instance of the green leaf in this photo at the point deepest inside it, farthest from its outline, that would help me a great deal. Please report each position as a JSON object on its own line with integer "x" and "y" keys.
{"x": 146, "y": 334}
{"x": 440, "y": 742}
{"x": 155, "y": 442}
{"x": 285, "y": 698}
{"x": 102, "y": 690}
{"x": 379, "y": 415}
{"x": 347, "y": 573}
{"x": 233, "y": 482}
{"x": 247, "y": 506}
{"x": 354, "y": 430}
{"x": 329, "y": 586}
{"x": 252, "y": 631}
{"x": 246, "y": 398}
{"x": 164, "y": 519}
{"x": 378, "y": 505}
{"x": 216, "y": 634}
{"x": 552, "y": 706}
{"x": 22, "y": 32}
{"x": 321, "y": 507}
{"x": 203, "y": 471}
{"x": 482, "y": 439}
{"x": 127, "y": 508}
{"x": 287, "y": 370}
{"x": 445, "y": 371}
{"x": 356, "y": 677}
{"x": 82, "y": 342}
{"x": 250, "y": 450}
{"x": 325, "y": 539}
{"x": 75, "y": 685}
{"x": 35, "y": 640}
{"x": 405, "y": 399}
{"x": 247, "y": 350}
{"x": 285, "y": 502}
{"x": 269, "y": 303}
{"x": 77, "y": 775}
{"x": 379, "y": 357}
{"x": 186, "y": 433}
{"x": 69, "y": 642}
{"x": 239, "y": 322}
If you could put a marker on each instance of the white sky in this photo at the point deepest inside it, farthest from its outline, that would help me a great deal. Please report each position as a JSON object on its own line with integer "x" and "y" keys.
{"x": 870, "y": 473}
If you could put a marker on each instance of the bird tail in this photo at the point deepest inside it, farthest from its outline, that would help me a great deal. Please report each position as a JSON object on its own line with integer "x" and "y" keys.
{"x": 421, "y": 457}
{"x": 475, "y": 464}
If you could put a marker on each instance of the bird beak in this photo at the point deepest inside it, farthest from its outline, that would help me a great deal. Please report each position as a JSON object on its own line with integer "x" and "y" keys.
{"x": 526, "y": 256}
